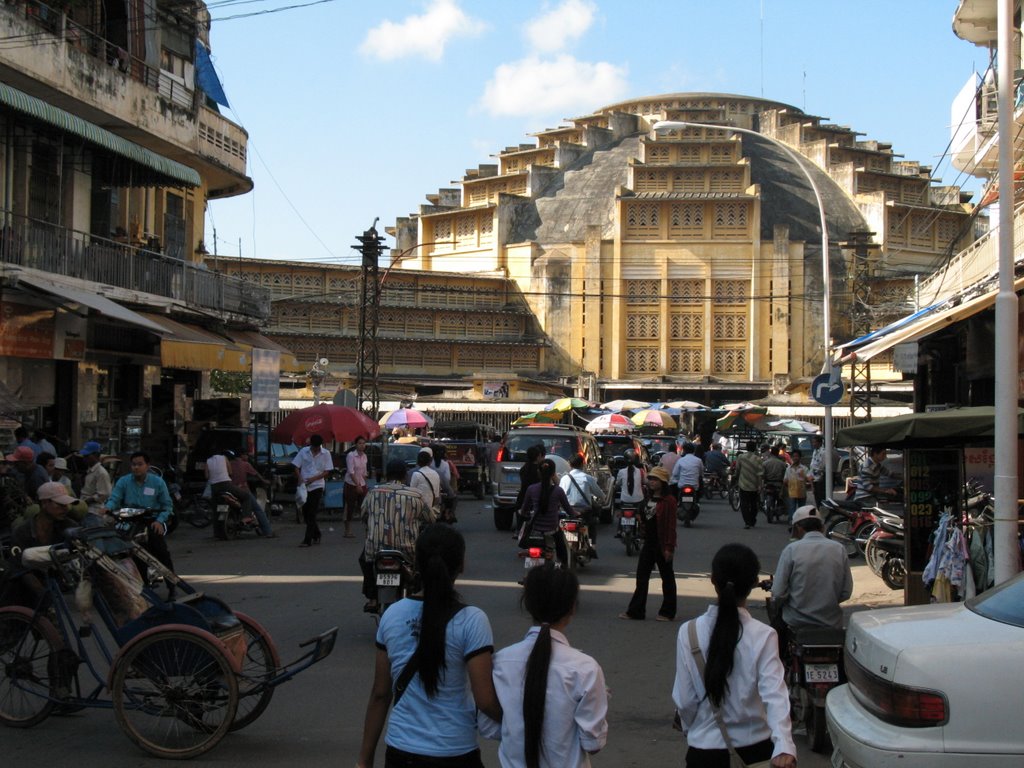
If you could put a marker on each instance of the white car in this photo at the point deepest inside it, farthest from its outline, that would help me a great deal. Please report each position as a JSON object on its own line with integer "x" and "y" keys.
{"x": 933, "y": 686}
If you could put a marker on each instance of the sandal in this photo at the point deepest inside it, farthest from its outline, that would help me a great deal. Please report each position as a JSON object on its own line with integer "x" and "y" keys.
{"x": 664, "y": 618}
{"x": 631, "y": 618}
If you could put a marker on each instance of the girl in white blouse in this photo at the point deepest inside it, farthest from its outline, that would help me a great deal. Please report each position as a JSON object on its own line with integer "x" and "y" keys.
{"x": 744, "y": 677}
{"x": 553, "y": 696}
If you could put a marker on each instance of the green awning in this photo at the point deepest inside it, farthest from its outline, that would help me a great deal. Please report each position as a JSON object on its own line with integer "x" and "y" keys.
{"x": 101, "y": 137}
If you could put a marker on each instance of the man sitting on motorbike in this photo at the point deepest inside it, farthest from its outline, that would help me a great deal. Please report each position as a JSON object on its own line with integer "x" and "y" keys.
{"x": 393, "y": 513}
{"x": 689, "y": 470}
{"x": 584, "y": 495}
{"x": 716, "y": 463}
{"x": 812, "y": 578}
{"x": 142, "y": 489}
{"x": 867, "y": 485}
{"x": 774, "y": 472}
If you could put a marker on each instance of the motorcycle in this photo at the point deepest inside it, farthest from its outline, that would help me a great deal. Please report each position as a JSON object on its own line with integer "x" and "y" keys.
{"x": 814, "y": 666}
{"x": 688, "y": 507}
{"x": 393, "y": 574}
{"x": 577, "y": 541}
{"x": 539, "y": 549}
{"x": 132, "y": 524}
{"x": 850, "y": 523}
{"x": 888, "y": 542}
{"x": 631, "y": 529}
{"x": 771, "y": 503}
{"x": 228, "y": 520}
{"x": 887, "y": 537}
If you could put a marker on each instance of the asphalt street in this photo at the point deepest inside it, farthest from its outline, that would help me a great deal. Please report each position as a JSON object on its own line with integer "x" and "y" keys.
{"x": 316, "y": 719}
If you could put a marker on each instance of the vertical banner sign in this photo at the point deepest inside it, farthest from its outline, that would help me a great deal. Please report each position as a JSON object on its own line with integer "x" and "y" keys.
{"x": 266, "y": 380}
{"x": 933, "y": 484}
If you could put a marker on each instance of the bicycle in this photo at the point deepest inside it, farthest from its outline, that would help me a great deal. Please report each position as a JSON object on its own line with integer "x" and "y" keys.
{"x": 183, "y": 673}
{"x": 772, "y": 505}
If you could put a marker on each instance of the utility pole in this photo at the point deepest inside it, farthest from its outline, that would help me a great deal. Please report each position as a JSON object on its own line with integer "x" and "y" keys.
{"x": 860, "y": 318}
{"x": 371, "y": 247}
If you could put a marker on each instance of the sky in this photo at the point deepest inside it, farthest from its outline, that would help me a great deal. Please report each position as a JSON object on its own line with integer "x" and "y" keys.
{"x": 357, "y": 110}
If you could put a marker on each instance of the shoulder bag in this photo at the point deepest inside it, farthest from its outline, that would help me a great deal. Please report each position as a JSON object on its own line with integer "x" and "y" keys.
{"x": 735, "y": 761}
{"x": 587, "y": 498}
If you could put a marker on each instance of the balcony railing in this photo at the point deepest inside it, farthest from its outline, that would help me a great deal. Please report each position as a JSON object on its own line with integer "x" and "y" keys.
{"x": 62, "y": 251}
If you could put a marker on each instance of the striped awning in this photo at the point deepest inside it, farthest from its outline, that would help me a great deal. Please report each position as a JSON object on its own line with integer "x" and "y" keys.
{"x": 101, "y": 137}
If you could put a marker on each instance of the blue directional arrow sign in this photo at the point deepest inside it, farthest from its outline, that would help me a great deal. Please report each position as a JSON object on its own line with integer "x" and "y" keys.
{"x": 826, "y": 390}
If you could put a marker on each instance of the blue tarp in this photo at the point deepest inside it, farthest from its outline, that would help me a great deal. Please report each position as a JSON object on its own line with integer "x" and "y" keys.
{"x": 206, "y": 76}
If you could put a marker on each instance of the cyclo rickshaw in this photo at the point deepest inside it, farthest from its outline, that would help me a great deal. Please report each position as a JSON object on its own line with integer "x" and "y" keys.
{"x": 181, "y": 673}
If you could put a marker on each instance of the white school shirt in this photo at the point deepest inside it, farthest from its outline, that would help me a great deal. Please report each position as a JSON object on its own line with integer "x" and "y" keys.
{"x": 310, "y": 465}
{"x": 575, "y": 709}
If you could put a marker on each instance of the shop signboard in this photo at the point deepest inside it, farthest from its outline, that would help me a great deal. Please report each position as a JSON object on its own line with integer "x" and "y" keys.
{"x": 495, "y": 390}
{"x": 933, "y": 483}
{"x": 26, "y": 331}
{"x": 266, "y": 380}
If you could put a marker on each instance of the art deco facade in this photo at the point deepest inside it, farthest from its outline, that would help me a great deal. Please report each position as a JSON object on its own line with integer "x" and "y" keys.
{"x": 690, "y": 261}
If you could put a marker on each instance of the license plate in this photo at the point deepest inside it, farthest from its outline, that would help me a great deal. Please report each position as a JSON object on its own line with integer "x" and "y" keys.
{"x": 628, "y": 522}
{"x": 821, "y": 673}
{"x": 686, "y": 499}
{"x": 532, "y": 562}
{"x": 512, "y": 476}
{"x": 837, "y": 759}
{"x": 388, "y": 579}
{"x": 571, "y": 537}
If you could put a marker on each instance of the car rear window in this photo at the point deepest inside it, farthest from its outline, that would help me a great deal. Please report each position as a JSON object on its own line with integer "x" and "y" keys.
{"x": 560, "y": 445}
{"x": 1004, "y": 603}
{"x": 612, "y": 446}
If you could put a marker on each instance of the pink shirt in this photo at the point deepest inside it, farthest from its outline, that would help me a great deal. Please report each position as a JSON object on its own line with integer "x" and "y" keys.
{"x": 355, "y": 469}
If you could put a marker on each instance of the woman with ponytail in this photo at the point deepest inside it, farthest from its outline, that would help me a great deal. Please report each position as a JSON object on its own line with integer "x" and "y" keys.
{"x": 553, "y": 697}
{"x": 434, "y": 658}
{"x": 542, "y": 502}
{"x": 741, "y": 693}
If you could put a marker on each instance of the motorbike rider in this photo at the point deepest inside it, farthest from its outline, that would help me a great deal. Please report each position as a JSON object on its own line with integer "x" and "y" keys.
{"x": 425, "y": 480}
{"x": 812, "y": 578}
{"x": 242, "y": 471}
{"x": 96, "y": 486}
{"x": 774, "y": 471}
{"x": 868, "y": 478}
{"x": 716, "y": 463}
{"x": 584, "y": 495}
{"x": 630, "y": 485}
{"x": 394, "y": 514}
{"x": 689, "y": 470}
{"x": 145, "y": 490}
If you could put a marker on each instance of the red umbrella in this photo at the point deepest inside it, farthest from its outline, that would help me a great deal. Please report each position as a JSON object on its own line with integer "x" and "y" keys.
{"x": 332, "y": 422}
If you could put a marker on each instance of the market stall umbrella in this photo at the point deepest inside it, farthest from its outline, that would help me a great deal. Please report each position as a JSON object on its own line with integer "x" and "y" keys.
{"x": 332, "y": 422}
{"x": 624, "y": 405}
{"x": 610, "y": 421}
{"x": 564, "y": 404}
{"x": 537, "y": 417}
{"x": 786, "y": 425}
{"x": 744, "y": 408}
{"x": 654, "y": 419}
{"x": 685, "y": 405}
{"x": 405, "y": 417}
{"x": 740, "y": 419}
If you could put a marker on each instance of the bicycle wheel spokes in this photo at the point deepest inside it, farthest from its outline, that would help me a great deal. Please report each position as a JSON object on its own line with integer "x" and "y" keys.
{"x": 259, "y": 665}
{"x": 28, "y": 668}
{"x": 175, "y": 693}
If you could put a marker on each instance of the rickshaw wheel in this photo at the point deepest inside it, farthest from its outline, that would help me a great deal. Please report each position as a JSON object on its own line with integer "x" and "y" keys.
{"x": 28, "y": 667}
{"x": 175, "y": 691}
{"x": 260, "y": 664}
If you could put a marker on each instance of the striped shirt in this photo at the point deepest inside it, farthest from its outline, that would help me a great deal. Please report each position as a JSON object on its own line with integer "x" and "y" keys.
{"x": 394, "y": 514}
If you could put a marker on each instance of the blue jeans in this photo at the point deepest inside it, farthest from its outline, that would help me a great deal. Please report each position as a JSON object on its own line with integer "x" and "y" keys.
{"x": 792, "y": 504}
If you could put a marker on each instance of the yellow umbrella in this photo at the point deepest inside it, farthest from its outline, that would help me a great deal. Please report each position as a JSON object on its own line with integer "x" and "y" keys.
{"x": 654, "y": 419}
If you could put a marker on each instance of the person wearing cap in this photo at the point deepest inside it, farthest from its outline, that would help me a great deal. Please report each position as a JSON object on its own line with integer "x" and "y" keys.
{"x": 144, "y": 490}
{"x": 394, "y": 514}
{"x": 658, "y": 550}
{"x": 312, "y": 465}
{"x": 425, "y": 480}
{"x": 25, "y": 467}
{"x": 40, "y": 530}
{"x": 96, "y": 486}
{"x": 812, "y": 578}
{"x": 58, "y": 472}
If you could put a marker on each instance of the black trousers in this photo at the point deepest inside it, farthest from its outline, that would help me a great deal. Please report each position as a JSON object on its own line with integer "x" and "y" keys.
{"x": 819, "y": 492}
{"x": 719, "y": 758}
{"x": 650, "y": 556}
{"x": 396, "y": 758}
{"x": 156, "y": 545}
{"x": 748, "y": 507}
{"x": 309, "y": 512}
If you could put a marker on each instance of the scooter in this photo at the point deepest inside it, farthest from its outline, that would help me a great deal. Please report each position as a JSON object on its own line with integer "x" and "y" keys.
{"x": 631, "y": 529}
{"x": 393, "y": 574}
{"x": 228, "y": 519}
{"x": 850, "y": 523}
{"x": 814, "y": 666}
{"x": 885, "y": 551}
{"x": 577, "y": 541}
{"x": 688, "y": 507}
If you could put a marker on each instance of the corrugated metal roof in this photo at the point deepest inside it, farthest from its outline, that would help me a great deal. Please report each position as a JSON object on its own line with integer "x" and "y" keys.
{"x": 101, "y": 137}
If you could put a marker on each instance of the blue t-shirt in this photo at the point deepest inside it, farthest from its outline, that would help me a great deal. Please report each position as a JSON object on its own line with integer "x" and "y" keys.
{"x": 443, "y": 726}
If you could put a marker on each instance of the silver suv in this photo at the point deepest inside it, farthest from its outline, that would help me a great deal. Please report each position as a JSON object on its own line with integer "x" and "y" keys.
{"x": 558, "y": 440}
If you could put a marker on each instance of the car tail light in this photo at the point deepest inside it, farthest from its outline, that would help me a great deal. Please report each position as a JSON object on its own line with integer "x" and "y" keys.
{"x": 501, "y": 454}
{"x": 582, "y": 456}
{"x": 535, "y": 552}
{"x": 570, "y": 526}
{"x": 890, "y": 702}
{"x": 628, "y": 513}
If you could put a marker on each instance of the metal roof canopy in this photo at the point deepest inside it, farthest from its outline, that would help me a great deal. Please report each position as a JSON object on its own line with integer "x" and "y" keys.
{"x": 62, "y": 295}
{"x": 94, "y": 134}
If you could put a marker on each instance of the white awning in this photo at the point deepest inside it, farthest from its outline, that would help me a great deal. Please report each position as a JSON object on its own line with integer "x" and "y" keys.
{"x": 64, "y": 294}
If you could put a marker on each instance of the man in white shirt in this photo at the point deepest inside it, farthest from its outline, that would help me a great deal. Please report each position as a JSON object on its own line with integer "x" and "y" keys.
{"x": 425, "y": 480}
{"x": 312, "y": 464}
{"x": 689, "y": 470}
{"x": 96, "y": 487}
{"x": 584, "y": 494}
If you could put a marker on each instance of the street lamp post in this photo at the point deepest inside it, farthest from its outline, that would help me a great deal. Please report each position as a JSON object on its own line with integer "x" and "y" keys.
{"x": 671, "y": 125}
